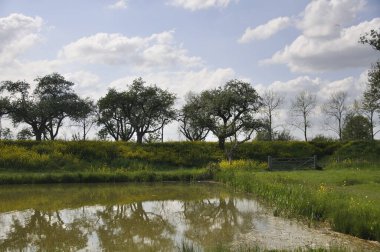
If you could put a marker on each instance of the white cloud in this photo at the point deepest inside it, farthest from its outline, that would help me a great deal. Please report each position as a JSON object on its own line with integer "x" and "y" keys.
{"x": 266, "y": 30}
{"x": 194, "y": 5}
{"x": 29, "y": 70}
{"x": 87, "y": 84}
{"x": 326, "y": 18}
{"x": 118, "y": 5}
{"x": 155, "y": 51}
{"x": 17, "y": 34}
{"x": 328, "y": 39}
{"x": 309, "y": 54}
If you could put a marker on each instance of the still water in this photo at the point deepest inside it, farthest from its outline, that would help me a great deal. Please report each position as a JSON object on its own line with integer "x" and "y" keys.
{"x": 149, "y": 217}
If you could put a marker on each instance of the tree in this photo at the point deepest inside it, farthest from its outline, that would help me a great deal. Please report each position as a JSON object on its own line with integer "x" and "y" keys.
{"x": 103, "y": 134}
{"x": 372, "y": 38}
{"x": 25, "y": 108}
{"x": 371, "y": 97}
{"x": 301, "y": 109}
{"x": 45, "y": 108}
{"x": 271, "y": 102}
{"x": 192, "y": 118}
{"x": 59, "y": 100}
{"x": 263, "y": 134}
{"x": 85, "y": 116}
{"x": 152, "y": 108}
{"x": 6, "y": 134}
{"x": 335, "y": 109}
{"x": 4, "y": 110}
{"x": 25, "y": 134}
{"x": 114, "y": 112}
{"x": 231, "y": 110}
{"x": 356, "y": 127}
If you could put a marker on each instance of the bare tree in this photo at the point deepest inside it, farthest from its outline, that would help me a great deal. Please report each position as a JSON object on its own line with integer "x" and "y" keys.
{"x": 335, "y": 109}
{"x": 301, "y": 109}
{"x": 271, "y": 102}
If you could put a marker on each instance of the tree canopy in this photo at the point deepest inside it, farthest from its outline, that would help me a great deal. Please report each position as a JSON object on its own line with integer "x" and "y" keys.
{"x": 356, "y": 127}
{"x": 193, "y": 118}
{"x": 231, "y": 109}
{"x": 372, "y": 38}
{"x": 139, "y": 109}
{"x": 45, "y": 108}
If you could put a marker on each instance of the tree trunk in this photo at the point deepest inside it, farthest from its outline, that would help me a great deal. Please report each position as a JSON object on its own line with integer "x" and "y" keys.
{"x": 140, "y": 136}
{"x": 221, "y": 143}
{"x": 38, "y": 136}
{"x": 305, "y": 133}
{"x": 340, "y": 129}
{"x": 371, "y": 124}
{"x": 162, "y": 134}
{"x": 270, "y": 128}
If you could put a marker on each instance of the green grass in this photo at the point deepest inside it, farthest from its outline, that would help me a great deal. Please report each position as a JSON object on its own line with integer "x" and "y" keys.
{"x": 346, "y": 199}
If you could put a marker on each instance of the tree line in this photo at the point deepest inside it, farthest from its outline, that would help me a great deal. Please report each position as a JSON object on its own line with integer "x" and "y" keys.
{"x": 232, "y": 112}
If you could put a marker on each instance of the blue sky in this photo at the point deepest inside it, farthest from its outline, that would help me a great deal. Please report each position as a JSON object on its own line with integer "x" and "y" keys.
{"x": 190, "y": 45}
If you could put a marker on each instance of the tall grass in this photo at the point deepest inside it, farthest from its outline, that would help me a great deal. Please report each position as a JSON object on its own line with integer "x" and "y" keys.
{"x": 290, "y": 196}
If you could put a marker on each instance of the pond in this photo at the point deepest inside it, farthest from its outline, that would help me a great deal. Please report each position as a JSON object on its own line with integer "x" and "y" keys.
{"x": 149, "y": 217}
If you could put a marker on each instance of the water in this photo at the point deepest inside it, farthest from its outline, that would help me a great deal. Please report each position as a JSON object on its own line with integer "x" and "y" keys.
{"x": 149, "y": 217}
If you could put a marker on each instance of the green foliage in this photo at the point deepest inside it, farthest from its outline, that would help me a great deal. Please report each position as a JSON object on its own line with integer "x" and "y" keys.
{"x": 46, "y": 107}
{"x": 230, "y": 110}
{"x": 260, "y": 150}
{"x": 359, "y": 150}
{"x": 25, "y": 134}
{"x": 193, "y": 119}
{"x": 114, "y": 110}
{"x": 356, "y": 127}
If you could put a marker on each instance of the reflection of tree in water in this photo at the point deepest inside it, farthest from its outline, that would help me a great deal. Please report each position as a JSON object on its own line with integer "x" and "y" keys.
{"x": 128, "y": 227}
{"x": 131, "y": 227}
{"x": 46, "y": 231}
{"x": 214, "y": 221}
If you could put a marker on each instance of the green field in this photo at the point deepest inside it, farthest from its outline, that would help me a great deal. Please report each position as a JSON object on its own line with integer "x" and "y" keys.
{"x": 344, "y": 195}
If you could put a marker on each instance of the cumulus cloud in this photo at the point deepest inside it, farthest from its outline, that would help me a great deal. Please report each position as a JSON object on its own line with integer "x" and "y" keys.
{"x": 29, "y": 70}
{"x": 194, "y": 5}
{"x": 266, "y": 30}
{"x": 118, "y": 5}
{"x": 325, "y": 18}
{"x": 17, "y": 34}
{"x": 155, "y": 51}
{"x": 87, "y": 84}
{"x": 328, "y": 40}
{"x": 307, "y": 54}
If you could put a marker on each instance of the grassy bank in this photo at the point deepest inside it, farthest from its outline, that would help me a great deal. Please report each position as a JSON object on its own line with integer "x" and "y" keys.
{"x": 79, "y": 156}
{"x": 347, "y": 199}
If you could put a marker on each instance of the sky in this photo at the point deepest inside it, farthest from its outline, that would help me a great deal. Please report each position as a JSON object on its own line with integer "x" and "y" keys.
{"x": 191, "y": 45}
